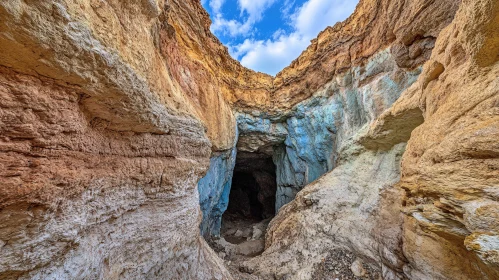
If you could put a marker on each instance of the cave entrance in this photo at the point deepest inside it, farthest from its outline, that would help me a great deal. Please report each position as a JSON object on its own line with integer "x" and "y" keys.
{"x": 252, "y": 198}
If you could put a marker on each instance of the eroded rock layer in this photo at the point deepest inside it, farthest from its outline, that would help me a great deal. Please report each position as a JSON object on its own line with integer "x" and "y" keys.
{"x": 80, "y": 201}
{"x": 121, "y": 122}
{"x": 433, "y": 216}
{"x": 101, "y": 151}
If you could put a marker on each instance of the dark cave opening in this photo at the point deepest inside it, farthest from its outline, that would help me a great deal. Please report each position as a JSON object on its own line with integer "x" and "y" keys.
{"x": 243, "y": 200}
{"x": 252, "y": 196}
{"x": 254, "y": 186}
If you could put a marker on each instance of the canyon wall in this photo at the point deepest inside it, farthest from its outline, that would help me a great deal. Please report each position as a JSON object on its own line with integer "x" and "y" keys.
{"x": 101, "y": 149}
{"x": 306, "y": 139}
{"x": 121, "y": 123}
{"x": 346, "y": 78}
{"x": 427, "y": 210}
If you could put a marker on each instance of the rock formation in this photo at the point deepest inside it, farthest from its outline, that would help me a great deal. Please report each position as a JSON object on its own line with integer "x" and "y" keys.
{"x": 101, "y": 149}
{"x": 122, "y": 123}
{"x": 434, "y": 215}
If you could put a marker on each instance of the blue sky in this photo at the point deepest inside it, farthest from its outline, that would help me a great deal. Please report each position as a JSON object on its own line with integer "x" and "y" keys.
{"x": 266, "y": 35}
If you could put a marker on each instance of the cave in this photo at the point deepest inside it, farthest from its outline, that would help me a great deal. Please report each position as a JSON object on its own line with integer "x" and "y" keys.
{"x": 253, "y": 188}
{"x": 253, "y": 194}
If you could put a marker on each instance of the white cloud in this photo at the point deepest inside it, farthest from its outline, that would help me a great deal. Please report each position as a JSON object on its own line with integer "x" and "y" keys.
{"x": 278, "y": 33}
{"x": 230, "y": 27}
{"x": 251, "y": 13}
{"x": 216, "y": 5}
{"x": 272, "y": 55}
{"x": 245, "y": 47}
{"x": 286, "y": 8}
{"x": 315, "y": 15}
{"x": 254, "y": 8}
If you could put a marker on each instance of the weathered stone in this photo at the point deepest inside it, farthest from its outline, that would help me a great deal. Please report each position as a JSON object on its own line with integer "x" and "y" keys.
{"x": 358, "y": 268}
{"x": 446, "y": 189}
{"x": 214, "y": 190}
{"x": 385, "y": 129}
{"x": 341, "y": 215}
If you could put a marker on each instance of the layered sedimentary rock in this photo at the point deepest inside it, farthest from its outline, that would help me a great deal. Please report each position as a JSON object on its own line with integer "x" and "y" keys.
{"x": 433, "y": 216}
{"x": 450, "y": 168}
{"x": 348, "y": 76}
{"x": 89, "y": 202}
{"x": 306, "y": 139}
{"x": 101, "y": 150}
{"x": 121, "y": 123}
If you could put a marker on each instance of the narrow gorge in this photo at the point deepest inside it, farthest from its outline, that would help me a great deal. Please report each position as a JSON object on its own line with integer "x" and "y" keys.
{"x": 132, "y": 146}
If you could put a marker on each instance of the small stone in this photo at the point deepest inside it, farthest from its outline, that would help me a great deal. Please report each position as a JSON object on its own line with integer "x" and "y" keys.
{"x": 238, "y": 233}
{"x": 358, "y": 268}
{"x": 222, "y": 255}
{"x": 247, "y": 232}
{"x": 257, "y": 234}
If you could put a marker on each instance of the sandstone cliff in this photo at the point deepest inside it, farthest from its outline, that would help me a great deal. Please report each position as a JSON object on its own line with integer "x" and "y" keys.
{"x": 121, "y": 122}
{"x": 101, "y": 149}
{"x": 433, "y": 217}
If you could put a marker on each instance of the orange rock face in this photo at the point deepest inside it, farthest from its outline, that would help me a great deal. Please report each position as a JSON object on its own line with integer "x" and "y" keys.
{"x": 101, "y": 151}
{"x": 110, "y": 112}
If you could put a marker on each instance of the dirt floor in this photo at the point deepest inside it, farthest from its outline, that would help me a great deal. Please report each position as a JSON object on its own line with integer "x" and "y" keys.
{"x": 343, "y": 265}
{"x": 243, "y": 238}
